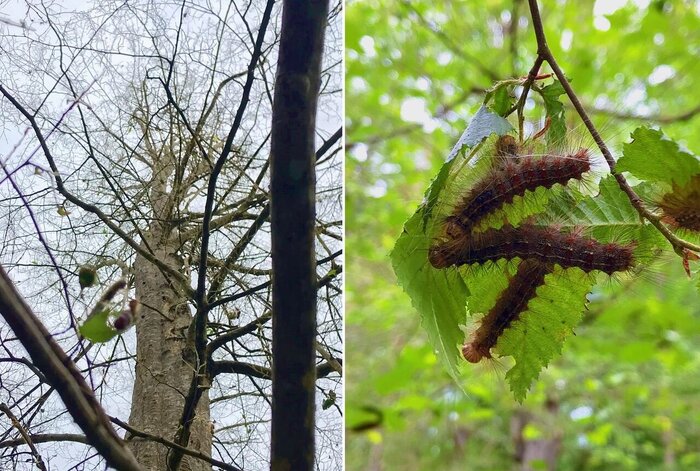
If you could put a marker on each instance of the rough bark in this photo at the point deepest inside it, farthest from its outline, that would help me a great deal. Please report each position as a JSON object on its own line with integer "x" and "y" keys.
{"x": 293, "y": 184}
{"x": 165, "y": 359}
{"x": 164, "y": 368}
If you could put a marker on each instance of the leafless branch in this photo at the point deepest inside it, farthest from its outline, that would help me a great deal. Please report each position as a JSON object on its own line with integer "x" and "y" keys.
{"x": 63, "y": 375}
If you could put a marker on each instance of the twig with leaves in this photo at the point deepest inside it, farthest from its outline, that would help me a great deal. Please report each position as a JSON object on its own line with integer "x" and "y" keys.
{"x": 544, "y": 54}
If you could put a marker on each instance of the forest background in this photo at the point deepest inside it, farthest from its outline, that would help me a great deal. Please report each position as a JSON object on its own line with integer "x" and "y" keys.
{"x": 623, "y": 395}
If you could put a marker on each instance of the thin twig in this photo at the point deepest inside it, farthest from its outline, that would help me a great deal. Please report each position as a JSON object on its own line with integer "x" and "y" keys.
{"x": 184, "y": 450}
{"x": 62, "y": 373}
{"x": 545, "y": 54}
{"x": 27, "y": 439}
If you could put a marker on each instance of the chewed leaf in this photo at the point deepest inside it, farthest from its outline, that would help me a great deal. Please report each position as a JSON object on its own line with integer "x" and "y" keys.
{"x": 483, "y": 124}
{"x": 438, "y": 295}
{"x": 539, "y": 333}
{"x": 502, "y": 100}
{"x": 652, "y": 156}
{"x": 97, "y": 327}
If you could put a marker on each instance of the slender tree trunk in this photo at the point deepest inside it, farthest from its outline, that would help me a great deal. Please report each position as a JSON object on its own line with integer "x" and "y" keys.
{"x": 293, "y": 216}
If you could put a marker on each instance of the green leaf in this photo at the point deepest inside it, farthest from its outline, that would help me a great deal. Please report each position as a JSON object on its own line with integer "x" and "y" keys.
{"x": 97, "y": 328}
{"x": 483, "y": 124}
{"x": 329, "y": 401}
{"x": 502, "y": 100}
{"x": 555, "y": 112}
{"x": 610, "y": 216}
{"x": 62, "y": 211}
{"x": 652, "y": 156}
{"x": 439, "y": 296}
{"x": 434, "y": 191}
{"x": 608, "y": 212}
{"x": 539, "y": 333}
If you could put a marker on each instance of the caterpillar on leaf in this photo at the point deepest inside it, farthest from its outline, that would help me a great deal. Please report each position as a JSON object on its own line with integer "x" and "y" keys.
{"x": 544, "y": 244}
{"x": 539, "y": 248}
{"x": 512, "y": 177}
{"x": 509, "y": 305}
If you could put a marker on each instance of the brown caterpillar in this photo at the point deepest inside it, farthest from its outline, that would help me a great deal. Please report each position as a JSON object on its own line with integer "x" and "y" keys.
{"x": 126, "y": 317}
{"x": 539, "y": 248}
{"x": 546, "y": 245}
{"x": 681, "y": 206}
{"x": 510, "y": 178}
{"x": 510, "y": 304}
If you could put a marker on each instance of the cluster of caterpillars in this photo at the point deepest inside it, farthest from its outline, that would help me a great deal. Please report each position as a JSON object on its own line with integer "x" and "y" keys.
{"x": 539, "y": 248}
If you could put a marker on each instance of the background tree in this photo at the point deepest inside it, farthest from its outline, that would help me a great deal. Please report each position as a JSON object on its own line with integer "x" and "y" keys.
{"x": 154, "y": 120}
{"x": 622, "y": 394}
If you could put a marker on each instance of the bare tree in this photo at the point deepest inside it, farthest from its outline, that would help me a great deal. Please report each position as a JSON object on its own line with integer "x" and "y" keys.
{"x": 146, "y": 157}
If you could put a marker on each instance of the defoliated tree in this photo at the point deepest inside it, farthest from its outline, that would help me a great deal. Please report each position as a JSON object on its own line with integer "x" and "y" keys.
{"x": 147, "y": 159}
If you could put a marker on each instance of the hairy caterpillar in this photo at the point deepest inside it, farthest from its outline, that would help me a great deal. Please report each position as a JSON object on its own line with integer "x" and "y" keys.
{"x": 512, "y": 177}
{"x": 513, "y": 172}
{"x": 681, "y": 206}
{"x": 528, "y": 241}
{"x": 509, "y": 305}
{"x": 126, "y": 317}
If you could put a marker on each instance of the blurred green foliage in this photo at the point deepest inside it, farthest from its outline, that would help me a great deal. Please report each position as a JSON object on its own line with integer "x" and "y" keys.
{"x": 625, "y": 393}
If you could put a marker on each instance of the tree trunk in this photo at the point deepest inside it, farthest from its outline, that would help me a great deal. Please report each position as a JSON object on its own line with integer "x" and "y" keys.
{"x": 293, "y": 219}
{"x": 541, "y": 453}
{"x": 163, "y": 375}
